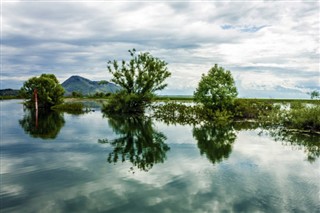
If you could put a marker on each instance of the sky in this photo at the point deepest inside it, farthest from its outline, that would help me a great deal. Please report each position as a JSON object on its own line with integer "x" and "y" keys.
{"x": 272, "y": 48}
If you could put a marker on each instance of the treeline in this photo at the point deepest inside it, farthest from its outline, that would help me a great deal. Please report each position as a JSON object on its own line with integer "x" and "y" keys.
{"x": 76, "y": 94}
{"x": 9, "y": 94}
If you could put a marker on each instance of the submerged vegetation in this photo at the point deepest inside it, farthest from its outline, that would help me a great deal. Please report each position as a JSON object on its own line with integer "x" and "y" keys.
{"x": 70, "y": 107}
{"x": 299, "y": 117}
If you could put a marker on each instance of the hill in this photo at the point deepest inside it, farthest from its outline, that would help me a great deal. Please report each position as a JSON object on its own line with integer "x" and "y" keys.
{"x": 86, "y": 86}
{"x": 9, "y": 92}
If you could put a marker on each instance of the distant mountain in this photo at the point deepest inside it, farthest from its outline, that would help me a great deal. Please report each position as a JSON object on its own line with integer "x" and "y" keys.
{"x": 86, "y": 86}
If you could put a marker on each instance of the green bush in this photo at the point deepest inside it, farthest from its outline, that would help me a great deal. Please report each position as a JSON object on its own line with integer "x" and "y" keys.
{"x": 73, "y": 108}
{"x": 172, "y": 112}
{"x": 305, "y": 118}
{"x": 252, "y": 109}
{"x": 123, "y": 102}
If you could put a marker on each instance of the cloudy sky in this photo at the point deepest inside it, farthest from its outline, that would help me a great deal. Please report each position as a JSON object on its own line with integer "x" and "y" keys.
{"x": 271, "y": 47}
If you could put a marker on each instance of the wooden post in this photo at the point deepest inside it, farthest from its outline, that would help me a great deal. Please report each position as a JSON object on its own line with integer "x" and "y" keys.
{"x": 35, "y": 92}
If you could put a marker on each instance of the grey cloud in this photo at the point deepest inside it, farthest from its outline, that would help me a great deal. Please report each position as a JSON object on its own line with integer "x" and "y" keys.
{"x": 76, "y": 38}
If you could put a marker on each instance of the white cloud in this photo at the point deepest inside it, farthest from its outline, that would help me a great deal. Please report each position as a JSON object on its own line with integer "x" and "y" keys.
{"x": 78, "y": 38}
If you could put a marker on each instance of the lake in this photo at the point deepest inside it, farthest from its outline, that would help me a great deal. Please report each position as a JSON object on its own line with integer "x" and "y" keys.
{"x": 97, "y": 163}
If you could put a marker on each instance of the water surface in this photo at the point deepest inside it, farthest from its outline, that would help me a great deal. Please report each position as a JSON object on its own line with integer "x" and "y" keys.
{"x": 97, "y": 163}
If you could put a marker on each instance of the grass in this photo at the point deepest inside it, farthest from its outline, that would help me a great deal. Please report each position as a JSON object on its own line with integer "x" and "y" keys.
{"x": 174, "y": 98}
{"x": 70, "y": 107}
{"x": 190, "y": 98}
{"x": 9, "y": 97}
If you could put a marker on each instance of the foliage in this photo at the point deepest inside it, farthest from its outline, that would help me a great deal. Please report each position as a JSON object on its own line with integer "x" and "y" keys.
{"x": 45, "y": 125}
{"x": 76, "y": 94}
{"x": 139, "y": 78}
{"x": 305, "y": 118}
{"x": 100, "y": 95}
{"x": 122, "y": 102}
{"x": 173, "y": 112}
{"x": 315, "y": 94}
{"x": 217, "y": 89}
{"x": 50, "y": 92}
{"x": 252, "y": 109}
{"x": 72, "y": 108}
{"x": 299, "y": 117}
{"x": 138, "y": 142}
{"x": 185, "y": 98}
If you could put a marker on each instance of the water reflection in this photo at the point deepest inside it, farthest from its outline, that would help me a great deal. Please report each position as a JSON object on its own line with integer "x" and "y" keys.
{"x": 215, "y": 140}
{"x": 42, "y": 124}
{"x": 138, "y": 142}
{"x": 308, "y": 142}
{"x": 72, "y": 176}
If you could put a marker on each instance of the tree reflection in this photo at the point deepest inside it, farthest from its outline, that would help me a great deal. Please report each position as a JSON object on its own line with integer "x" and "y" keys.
{"x": 138, "y": 142}
{"x": 308, "y": 142}
{"x": 42, "y": 124}
{"x": 215, "y": 140}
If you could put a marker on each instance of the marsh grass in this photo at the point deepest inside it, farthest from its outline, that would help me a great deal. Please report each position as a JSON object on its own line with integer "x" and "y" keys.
{"x": 298, "y": 117}
{"x": 70, "y": 107}
{"x": 304, "y": 118}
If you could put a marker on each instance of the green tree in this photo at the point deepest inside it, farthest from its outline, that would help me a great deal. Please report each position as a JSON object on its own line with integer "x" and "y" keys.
{"x": 315, "y": 94}
{"x": 217, "y": 89}
{"x": 139, "y": 78}
{"x": 50, "y": 92}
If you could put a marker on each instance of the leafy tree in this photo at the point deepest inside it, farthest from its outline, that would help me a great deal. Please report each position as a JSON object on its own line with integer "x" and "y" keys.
{"x": 315, "y": 94}
{"x": 139, "y": 78}
{"x": 50, "y": 92}
{"x": 217, "y": 89}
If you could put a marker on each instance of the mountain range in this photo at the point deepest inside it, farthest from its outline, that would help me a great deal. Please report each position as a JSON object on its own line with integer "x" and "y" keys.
{"x": 87, "y": 87}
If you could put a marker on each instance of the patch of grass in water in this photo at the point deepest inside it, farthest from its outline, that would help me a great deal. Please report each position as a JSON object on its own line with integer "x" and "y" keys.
{"x": 70, "y": 107}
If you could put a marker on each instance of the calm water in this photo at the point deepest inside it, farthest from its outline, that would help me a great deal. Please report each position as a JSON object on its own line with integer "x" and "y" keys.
{"x": 94, "y": 163}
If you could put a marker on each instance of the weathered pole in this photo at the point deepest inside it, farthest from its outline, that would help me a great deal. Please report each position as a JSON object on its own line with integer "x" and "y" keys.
{"x": 35, "y": 92}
